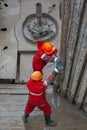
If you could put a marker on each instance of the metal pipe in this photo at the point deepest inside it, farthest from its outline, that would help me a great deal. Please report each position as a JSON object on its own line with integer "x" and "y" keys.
{"x": 39, "y": 13}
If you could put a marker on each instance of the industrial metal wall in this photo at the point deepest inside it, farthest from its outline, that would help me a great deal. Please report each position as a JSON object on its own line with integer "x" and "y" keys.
{"x": 74, "y": 52}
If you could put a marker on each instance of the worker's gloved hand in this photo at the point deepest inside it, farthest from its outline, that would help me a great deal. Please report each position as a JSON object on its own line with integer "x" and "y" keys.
{"x": 45, "y": 83}
{"x": 58, "y": 68}
{"x": 57, "y": 60}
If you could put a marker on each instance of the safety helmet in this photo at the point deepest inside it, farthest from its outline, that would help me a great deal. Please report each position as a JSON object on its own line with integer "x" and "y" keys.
{"x": 36, "y": 75}
{"x": 47, "y": 48}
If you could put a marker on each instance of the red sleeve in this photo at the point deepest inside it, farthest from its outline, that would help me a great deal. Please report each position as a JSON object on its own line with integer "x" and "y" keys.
{"x": 41, "y": 83}
{"x": 44, "y": 86}
{"x": 39, "y": 44}
{"x": 27, "y": 84}
{"x": 40, "y": 53}
{"x": 55, "y": 51}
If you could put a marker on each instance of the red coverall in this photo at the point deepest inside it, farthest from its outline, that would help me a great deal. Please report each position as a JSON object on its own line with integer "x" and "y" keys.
{"x": 37, "y": 97}
{"x": 38, "y": 62}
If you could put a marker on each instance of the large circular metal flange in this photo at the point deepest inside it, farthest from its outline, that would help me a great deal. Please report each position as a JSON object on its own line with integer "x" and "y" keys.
{"x": 34, "y": 34}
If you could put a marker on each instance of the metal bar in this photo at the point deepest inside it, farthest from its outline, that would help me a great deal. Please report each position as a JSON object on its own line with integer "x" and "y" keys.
{"x": 39, "y": 13}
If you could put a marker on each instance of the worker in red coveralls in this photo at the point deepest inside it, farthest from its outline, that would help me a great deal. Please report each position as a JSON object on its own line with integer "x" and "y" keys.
{"x": 37, "y": 98}
{"x": 46, "y": 53}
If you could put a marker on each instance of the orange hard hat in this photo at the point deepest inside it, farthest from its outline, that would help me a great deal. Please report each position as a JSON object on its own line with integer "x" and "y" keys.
{"x": 36, "y": 75}
{"x": 47, "y": 48}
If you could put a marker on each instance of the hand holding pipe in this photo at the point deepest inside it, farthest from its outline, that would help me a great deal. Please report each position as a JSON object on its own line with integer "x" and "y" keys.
{"x": 52, "y": 76}
{"x": 59, "y": 66}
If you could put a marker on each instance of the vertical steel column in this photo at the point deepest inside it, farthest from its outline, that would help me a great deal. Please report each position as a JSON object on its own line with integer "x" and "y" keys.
{"x": 39, "y": 13}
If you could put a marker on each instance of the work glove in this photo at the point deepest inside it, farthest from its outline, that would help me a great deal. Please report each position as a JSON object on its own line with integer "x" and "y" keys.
{"x": 58, "y": 68}
{"x": 57, "y": 60}
{"x": 58, "y": 63}
{"x": 45, "y": 83}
